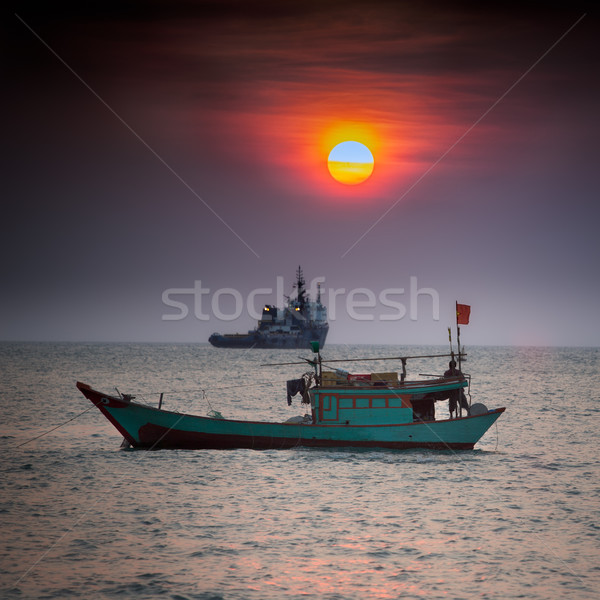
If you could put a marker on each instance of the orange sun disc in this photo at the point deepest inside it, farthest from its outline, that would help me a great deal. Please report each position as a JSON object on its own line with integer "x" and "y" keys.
{"x": 350, "y": 163}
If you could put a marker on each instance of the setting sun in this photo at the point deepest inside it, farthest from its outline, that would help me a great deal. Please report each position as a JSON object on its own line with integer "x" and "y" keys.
{"x": 350, "y": 163}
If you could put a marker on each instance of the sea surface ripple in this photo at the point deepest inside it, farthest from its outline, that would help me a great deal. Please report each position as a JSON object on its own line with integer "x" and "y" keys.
{"x": 518, "y": 517}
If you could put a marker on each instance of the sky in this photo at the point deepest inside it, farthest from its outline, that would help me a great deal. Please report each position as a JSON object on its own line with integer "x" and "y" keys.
{"x": 166, "y": 151}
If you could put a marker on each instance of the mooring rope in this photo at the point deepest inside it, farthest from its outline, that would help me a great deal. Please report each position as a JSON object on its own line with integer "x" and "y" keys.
{"x": 142, "y": 394}
{"x": 37, "y": 437}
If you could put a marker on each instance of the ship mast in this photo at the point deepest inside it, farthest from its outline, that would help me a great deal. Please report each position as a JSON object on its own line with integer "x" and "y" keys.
{"x": 300, "y": 285}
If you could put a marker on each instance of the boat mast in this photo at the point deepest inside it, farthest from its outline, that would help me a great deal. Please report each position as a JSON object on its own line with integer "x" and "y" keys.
{"x": 458, "y": 339}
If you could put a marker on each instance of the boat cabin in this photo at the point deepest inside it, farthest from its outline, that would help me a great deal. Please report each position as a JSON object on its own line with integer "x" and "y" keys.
{"x": 378, "y": 398}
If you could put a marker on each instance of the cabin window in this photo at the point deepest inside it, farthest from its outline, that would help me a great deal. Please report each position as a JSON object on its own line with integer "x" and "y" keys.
{"x": 346, "y": 402}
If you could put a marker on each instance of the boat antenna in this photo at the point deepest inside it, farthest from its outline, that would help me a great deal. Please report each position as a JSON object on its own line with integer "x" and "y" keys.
{"x": 315, "y": 347}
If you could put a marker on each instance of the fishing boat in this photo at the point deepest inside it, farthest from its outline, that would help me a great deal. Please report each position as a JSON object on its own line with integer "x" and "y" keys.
{"x": 295, "y": 325}
{"x": 372, "y": 410}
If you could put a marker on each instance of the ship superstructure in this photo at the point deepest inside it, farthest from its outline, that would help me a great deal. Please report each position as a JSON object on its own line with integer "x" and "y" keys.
{"x": 297, "y": 324}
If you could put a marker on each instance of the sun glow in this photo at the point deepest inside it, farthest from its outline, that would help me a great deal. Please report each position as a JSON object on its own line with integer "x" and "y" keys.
{"x": 350, "y": 163}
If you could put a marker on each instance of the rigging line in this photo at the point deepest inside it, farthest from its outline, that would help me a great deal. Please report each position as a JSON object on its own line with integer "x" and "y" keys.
{"x": 364, "y": 359}
{"x": 214, "y": 389}
{"x": 439, "y": 160}
{"x": 57, "y": 427}
{"x": 139, "y": 137}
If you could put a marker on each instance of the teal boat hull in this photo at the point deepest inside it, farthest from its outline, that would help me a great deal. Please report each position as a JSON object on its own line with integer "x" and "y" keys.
{"x": 151, "y": 428}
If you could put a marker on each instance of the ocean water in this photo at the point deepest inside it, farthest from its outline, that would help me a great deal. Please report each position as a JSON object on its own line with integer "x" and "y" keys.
{"x": 518, "y": 517}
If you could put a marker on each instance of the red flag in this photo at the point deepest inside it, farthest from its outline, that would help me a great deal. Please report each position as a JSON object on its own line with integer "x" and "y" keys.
{"x": 463, "y": 312}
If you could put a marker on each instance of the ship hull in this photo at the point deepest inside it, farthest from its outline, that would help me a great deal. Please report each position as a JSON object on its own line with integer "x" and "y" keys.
{"x": 151, "y": 428}
{"x": 271, "y": 340}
